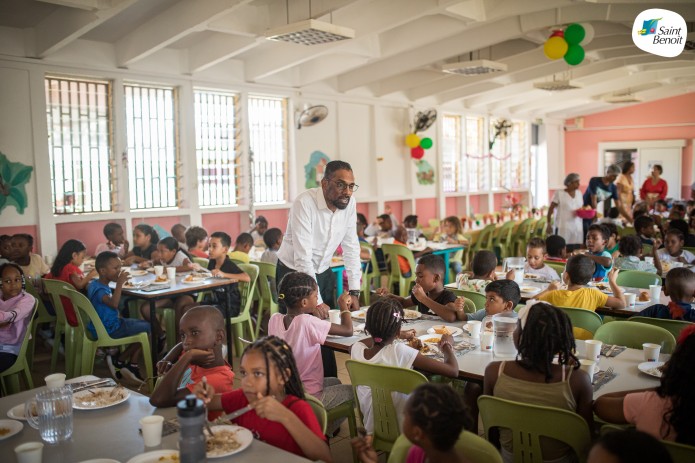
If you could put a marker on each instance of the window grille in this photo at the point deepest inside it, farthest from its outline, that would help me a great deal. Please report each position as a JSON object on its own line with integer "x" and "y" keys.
{"x": 520, "y": 155}
{"x": 452, "y": 181}
{"x": 268, "y": 142}
{"x": 477, "y": 164}
{"x": 78, "y": 114}
{"x": 152, "y": 151}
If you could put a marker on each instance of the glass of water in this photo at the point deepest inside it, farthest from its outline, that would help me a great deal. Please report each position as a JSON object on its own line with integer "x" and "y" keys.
{"x": 51, "y": 413}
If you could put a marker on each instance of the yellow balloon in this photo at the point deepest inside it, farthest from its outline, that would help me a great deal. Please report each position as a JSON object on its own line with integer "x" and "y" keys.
{"x": 555, "y": 47}
{"x": 412, "y": 140}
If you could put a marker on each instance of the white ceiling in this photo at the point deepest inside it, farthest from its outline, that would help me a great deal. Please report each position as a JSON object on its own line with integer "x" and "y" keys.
{"x": 396, "y": 53}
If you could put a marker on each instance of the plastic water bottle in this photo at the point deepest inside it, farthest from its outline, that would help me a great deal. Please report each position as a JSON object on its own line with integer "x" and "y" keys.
{"x": 191, "y": 413}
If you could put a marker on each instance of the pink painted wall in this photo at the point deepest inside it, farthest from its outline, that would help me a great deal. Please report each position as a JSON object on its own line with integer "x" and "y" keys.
{"x": 30, "y": 229}
{"x": 90, "y": 233}
{"x": 581, "y": 146}
{"x": 228, "y": 222}
{"x": 451, "y": 206}
{"x": 277, "y": 218}
{"x": 164, "y": 222}
{"x": 477, "y": 203}
{"x": 396, "y": 209}
{"x": 363, "y": 208}
{"x": 426, "y": 209}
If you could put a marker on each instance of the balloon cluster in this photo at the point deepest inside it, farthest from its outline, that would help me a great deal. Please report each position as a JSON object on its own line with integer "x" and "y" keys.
{"x": 417, "y": 145}
{"x": 567, "y": 44}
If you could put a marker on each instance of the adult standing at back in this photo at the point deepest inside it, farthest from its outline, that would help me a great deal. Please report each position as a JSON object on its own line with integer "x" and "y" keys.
{"x": 655, "y": 187}
{"x": 604, "y": 189}
{"x": 626, "y": 185}
{"x": 565, "y": 204}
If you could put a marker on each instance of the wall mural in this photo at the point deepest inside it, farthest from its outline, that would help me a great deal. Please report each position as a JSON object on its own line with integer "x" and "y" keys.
{"x": 13, "y": 179}
{"x": 313, "y": 170}
{"x": 425, "y": 172}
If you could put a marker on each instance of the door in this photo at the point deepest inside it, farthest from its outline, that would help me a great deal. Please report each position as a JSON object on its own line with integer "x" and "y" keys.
{"x": 670, "y": 161}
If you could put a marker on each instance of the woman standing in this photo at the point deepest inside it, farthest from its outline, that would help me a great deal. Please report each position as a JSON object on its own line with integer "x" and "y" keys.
{"x": 654, "y": 187}
{"x": 603, "y": 189}
{"x": 567, "y": 224}
{"x": 626, "y": 185}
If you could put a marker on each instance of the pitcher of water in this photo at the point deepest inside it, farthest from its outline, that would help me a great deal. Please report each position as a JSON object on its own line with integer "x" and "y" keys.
{"x": 51, "y": 413}
{"x": 503, "y": 325}
{"x": 516, "y": 264}
{"x": 413, "y": 234}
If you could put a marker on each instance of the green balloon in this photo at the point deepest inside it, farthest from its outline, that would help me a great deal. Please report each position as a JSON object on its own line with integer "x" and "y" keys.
{"x": 574, "y": 55}
{"x": 574, "y": 34}
{"x": 426, "y": 143}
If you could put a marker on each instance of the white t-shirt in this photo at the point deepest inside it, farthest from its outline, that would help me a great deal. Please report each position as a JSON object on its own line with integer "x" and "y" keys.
{"x": 664, "y": 256}
{"x": 546, "y": 272}
{"x": 568, "y": 224}
{"x": 396, "y": 354}
{"x": 178, "y": 259}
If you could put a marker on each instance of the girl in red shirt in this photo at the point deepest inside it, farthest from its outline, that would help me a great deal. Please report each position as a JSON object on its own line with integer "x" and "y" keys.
{"x": 66, "y": 267}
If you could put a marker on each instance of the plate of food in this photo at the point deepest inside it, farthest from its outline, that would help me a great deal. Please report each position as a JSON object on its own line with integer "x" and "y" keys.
{"x": 530, "y": 276}
{"x": 17, "y": 412}
{"x": 138, "y": 272}
{"x": 194, "y": 279}
{"x": 100, "y": 397}
{"x": 227, "y": 440}
{"x": 135, "y": 285}
{"x": 651, "y": 368}
{"x": 360, "y": 314}
{"x": 9, "y": 428}
{"x": 427, "y": 344}
{"x": 160, "y": 280}
{"x": 156, "y": 456}
{"x": 643, "y": 298}
{"x": 530, "y": 289}
{"x": 445, "y": 329}
{"x": 412, "y": 314}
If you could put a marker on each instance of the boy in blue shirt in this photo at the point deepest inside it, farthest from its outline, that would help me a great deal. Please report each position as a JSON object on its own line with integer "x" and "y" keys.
{"x": 680, "y": 287}
{"x": 105, "y": 301}
{"x": 596, "y": 239}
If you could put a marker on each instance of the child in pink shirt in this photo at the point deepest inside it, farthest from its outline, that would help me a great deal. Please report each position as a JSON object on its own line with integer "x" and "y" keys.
{"x": 16, "y": 309}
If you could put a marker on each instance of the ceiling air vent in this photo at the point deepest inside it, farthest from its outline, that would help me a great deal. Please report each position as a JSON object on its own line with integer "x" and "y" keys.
{"x": 310, "y": 32}
{"x": 557, "y": 85}
{"x": 621, "y": 99}
{"x": 474, "y": 68}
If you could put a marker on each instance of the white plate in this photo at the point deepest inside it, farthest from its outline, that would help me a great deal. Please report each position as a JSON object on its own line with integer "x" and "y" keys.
{"x": 138, "y": 273}
{"x": 154, "y": 457}
{"x": 454, "y": 330}
{"x": 155, "y": 282}
{"x": 412, "y": 314}
{"x": 360, "y": 314}
{"x": 13, "y": 425}
{"x": 429, "y": 338}
{"x": 86, "y": 394}
{"x": 242, "y": 435}
{"x": 649, "y": 368}
{"x": 17, "y": 413}
{"x": 194, "y": 282}
{"x": 530, "y": 289}
{"x": 501, "y": 275}
{"x": 638, "y": 302}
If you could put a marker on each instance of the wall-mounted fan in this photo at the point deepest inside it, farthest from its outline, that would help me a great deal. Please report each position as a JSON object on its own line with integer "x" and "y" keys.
{"x": 311, "y": 115}
{"x": 424, "y": 120}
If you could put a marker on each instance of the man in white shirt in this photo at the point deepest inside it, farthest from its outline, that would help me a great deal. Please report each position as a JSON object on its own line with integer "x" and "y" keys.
{"x": 321, "y": 219}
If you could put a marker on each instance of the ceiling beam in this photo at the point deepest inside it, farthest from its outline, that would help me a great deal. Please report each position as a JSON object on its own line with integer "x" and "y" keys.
{"x": 218, "y": 48}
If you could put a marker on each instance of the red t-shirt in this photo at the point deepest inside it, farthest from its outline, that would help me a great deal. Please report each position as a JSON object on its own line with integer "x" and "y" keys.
{"x": 68, "y": 270}
{"x": 221, "y": 378}
{"x": 402, "y": 261}
{"x": 272, "y": 432}
{"x": 198, "y": 253}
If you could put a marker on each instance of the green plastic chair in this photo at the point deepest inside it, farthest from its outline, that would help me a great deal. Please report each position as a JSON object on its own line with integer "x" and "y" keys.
{"x": 634, "y": 334}
{"x": 369, "y": 278}
{"x": 637, "y": 279}
{"x": 673, "y": 326}
{"x": 584, "y": 322}
{"x": 522, "y": 236}
{"x": 202, "y": 261}
{"x": 529, "y": 422}
{"x": 55, "y": 289}
{"x": 9, "y": 379}
{"x": 502, "y": 240}
{"x": 540, "y": 227}
{"x": 484, "y": 239}
{"x": 382, "y": 380}
{"x": 86, "y": 313}
{"x": 243, "y": 320}
{"x": 478, "y": 299}
{"x": 689, "y": 249}
{"x": 468, "y": 305}
{"x": 42, "y": 317}
{"x": 559, "y": 267}
{"x": 625, "y": 231}
{"x": 647, "y": 249}
{"x": 475, "y": 448}
{"x": 319, "y": 411}
{"x": 391, "y": 253}
{"x": 267, "y": 297}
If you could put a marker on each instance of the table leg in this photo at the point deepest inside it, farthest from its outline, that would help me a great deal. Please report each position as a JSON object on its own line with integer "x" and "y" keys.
{"x": 228, "y": 322}
{"x": 445, "y": 255}
{"x": 153, "y": 339}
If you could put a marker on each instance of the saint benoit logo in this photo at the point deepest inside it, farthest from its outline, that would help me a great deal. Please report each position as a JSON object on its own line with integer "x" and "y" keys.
{"x": 660, "y": 32}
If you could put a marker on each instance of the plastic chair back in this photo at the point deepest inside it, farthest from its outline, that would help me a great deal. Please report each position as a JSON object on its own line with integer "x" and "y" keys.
{"x": 634, "y": 334}
{"x": 202, "y": 261}
{"x": 680, "y": 453}
{"x": 265, "y": 286}
{"x": 9, "y": 379}
{"x": 541, "y": 227}
{"x": 478, "y": 299}
{"x": 584, "y": 322}
{"x": 391, "y": 254}
{"x": 503, "y": 239}
{"x": 625, "y": 231}
{"x": 637, "y": 279}
{"x": 522, "y": 235}
{"x": 370, "y": 273}
{"x": 529, "y": 422}
{"x": 58, "y": 291}
{"x": 475, "y": 448}
{"x": 42, "y": 316}
{"x": 243, "y": 320}
{"x": 319, "y": 411}
{"x": 382, "y": 380}
{"x": 673, "y": 326}
{"x": 689, "y": 249}
{"x": 559, "y": 267}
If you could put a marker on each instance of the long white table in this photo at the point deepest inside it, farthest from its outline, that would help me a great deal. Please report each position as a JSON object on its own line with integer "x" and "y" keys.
{"x": 472, "y": 364}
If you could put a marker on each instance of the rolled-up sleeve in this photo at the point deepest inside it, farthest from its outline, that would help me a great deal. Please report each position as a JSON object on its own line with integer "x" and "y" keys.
{"x": 22, "y": 308}
{"x": 351, "y": 250}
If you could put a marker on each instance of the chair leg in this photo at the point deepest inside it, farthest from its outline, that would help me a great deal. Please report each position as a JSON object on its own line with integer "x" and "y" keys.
{"x": 147, "y": 355}
{"x": 259, "y": 318}
{"x": 27, "y": 376}
{"x": 56, "y": 346}
{"x": 69, "y": 351}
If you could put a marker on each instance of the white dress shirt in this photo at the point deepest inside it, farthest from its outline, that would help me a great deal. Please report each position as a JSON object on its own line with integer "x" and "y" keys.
{"x": 314, "y": 233}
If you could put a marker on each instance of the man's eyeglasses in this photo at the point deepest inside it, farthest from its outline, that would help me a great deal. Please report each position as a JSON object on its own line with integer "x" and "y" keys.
{"x": 342, "y": 186}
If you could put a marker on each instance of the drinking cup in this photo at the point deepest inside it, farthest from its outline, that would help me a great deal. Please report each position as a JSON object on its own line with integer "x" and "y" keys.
{"x": 152, "y": 430}
{"x": 171, "y": 274}
{"x": 53, "y": 416}
{"x": 589, "y": 366}
{"x": 55, "y": 380}
{"x": 158, "y": 270}
{"x": 651, "y": 352}
{"x": 630, "y": 299}
{"x": 29, "y": 452}
{"x": 655, "y": 293}
{"x": 486, "y": 341}
{"x": 649, "y": 259}
{"x": 592, "y": 349}
{"x": 474, "y": 328}
{"x": 334, "y": 316}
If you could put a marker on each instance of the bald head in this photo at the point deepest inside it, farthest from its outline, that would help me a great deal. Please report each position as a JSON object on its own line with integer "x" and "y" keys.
{"x": 205, "y": 313}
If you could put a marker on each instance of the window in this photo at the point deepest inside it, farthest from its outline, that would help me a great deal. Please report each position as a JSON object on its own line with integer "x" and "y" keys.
{"x": 79, "y": 144}
{"x": 452, "y": 178}
{"x": 268, "y": 142}
{"x": 216, "y": 124}
{"x": 476, "y": 155}
{"x": 520, "y": 163}
{"x": 152, "y": 151}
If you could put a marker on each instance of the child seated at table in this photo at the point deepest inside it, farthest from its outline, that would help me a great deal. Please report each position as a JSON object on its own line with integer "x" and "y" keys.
{"x": 5, "y": 248}
{"x": 105, "y": 301}
{"x": 400, "y": 237}
{"x": 429, "y": 294}
{"x": 16, "y": 310}
{"x": 260, "y": 227}
{"x": 384, "y": 320}
{"x": 115, "y": 240}
{"x": 483, "y": 265}
{"x": 221, "y": 266}
{"x": 145, "y": 239}
{"x": 673, "y": 248}
{"x": 644, "y": 226}
{"x": 243, "y": 245}
{"x": 630, "y": 248}
{"x": 556, "y": 249}
{"x": 410, "y": 223}
{"x": 682, "y": 225}
{"x": 272, "y": 239}
{"x": 500, "y": 296}
{"x": 613, "y": 238}
{"x": 197, "y": 356}
{"x": 31, "y": 264}
{"x": 452, "y": 233}
{"x": 613, "y": 217}
{"x": 170, "y": 255}
{"x": 197, "y": 241}
{"x": 178, "y": 232}
{"x": 680, "y": 287}
{"x": 596, "y": 239}
{"x": 666, "y": 411}
{"x": 535, "y": 254}
{"x": 577, "y": 274}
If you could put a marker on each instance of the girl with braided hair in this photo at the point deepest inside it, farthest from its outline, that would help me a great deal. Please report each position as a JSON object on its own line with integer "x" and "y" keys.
{"x": 543, "y": 332}
{"x": 270, "y": 384}
{"x": 305, "y": 333}
{"x": 384, "y": 319}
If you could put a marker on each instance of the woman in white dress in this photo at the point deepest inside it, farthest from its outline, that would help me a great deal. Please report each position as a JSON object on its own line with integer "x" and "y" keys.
{"x": 565, "y": 203}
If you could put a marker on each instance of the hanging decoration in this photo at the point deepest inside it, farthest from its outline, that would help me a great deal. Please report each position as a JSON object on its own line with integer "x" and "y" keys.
{"x": 417, "y": 153}
{"x": 425, "y": 172}
{"x": 568, "y": 44}
{"x": 502, "y": 127}
{"x": 14, "y": 177}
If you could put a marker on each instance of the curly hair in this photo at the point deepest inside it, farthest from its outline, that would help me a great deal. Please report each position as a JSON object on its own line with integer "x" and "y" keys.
{"x": 64, "y": 256}
{"x": 384, "y": 319}
{"x": 677, "y": 383}
{"x": 548, "y": 332}
{"x": 439, "y": 411}
{"x": 294, "y": 287}
{"x": 279, "y": 353}
{"x": 484, "y": 262}
{"x": 630, "y": 245}
{"x": 580, "y": 269}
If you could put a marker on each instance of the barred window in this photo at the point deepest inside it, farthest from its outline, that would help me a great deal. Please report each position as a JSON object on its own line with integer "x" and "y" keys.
{"x": 79, "y": 144}
{"x": 152, "y": 151}
{"x": 520, "y": 156}
{"x": 477, "y": 165}
{"x": 216, "y": 144}
{"x": 268, "y": 142}
{"x": 452, "y": 178}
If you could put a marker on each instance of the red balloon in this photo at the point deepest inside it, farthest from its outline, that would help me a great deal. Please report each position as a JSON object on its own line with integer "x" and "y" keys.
{"x": 417, "y": 153}
{"x": 558, "y": 33}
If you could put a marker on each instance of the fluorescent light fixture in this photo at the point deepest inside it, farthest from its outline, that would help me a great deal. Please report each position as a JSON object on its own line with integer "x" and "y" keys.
{"x": 621, "y": 99}
{"x": 557, "y": 85}
{"x": 310, "y": 32}
{"x": 474, "y": 68}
